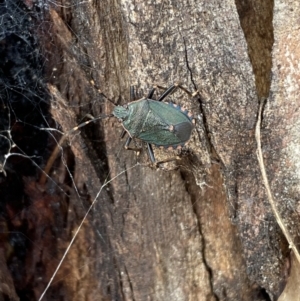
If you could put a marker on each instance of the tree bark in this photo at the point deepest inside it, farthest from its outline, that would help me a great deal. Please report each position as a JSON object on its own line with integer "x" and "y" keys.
{"x": 200, "y": 229}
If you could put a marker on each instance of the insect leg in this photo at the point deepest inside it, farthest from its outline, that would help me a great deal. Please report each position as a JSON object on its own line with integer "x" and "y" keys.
{"x": 128, "y": 141}
{"x": 126, "y": 145}
{"x": 151, "y": 92}
{"x": 132, "y": 93}
{"x": 123, "y": 134}
{"x": 152, "y": 157}
{"x": 159, "y": 163}
{"x": 172, "y": 89}
{"x": 168, "y": 92}
{"x": 190, "y": 94}
{"x": 150, "y": 153}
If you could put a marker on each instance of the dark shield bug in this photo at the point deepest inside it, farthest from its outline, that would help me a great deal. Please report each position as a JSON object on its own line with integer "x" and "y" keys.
{"x": 156, "y": 122}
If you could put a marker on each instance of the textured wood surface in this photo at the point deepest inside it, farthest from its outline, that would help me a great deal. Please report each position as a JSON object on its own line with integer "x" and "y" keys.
{"x": 203, "y": 231}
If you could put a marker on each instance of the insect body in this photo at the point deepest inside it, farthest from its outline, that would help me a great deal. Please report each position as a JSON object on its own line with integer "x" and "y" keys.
{"x": 155, "y": 122}
{"x": 158, "y": 123}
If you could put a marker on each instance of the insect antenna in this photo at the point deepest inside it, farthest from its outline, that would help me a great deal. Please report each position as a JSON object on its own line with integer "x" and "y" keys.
{"x": 107, "y": 98}
{"x": 93, "y": 119}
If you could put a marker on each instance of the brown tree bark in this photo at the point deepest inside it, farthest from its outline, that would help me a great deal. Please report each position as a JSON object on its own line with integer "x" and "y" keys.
{"x": 201, "y": 231}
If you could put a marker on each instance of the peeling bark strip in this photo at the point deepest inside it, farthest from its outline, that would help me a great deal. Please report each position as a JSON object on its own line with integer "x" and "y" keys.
{"x": 204, "y": 231}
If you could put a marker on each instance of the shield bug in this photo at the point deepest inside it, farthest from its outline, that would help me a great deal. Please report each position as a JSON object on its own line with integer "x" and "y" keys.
{"x": 154, "y": 122}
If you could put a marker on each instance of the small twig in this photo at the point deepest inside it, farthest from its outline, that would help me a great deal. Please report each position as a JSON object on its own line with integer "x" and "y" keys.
{"x": 267, "y": 185}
